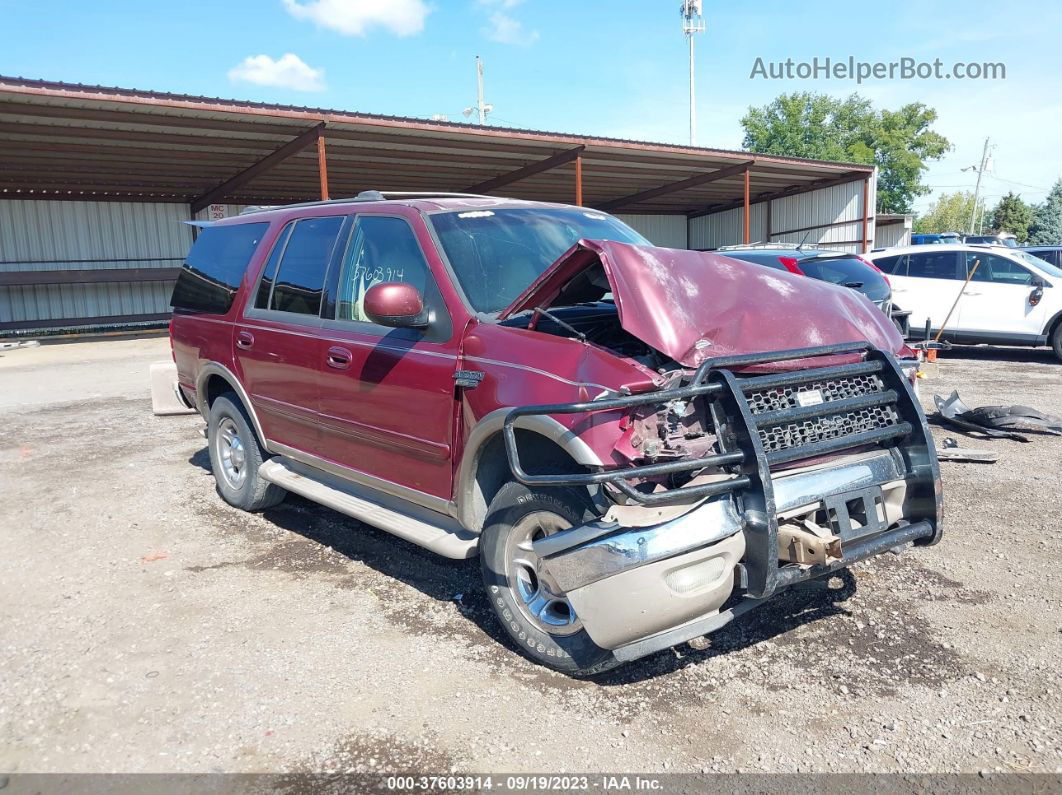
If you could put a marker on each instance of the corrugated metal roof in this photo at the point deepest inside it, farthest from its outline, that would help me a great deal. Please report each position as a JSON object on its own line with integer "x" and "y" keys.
{"x": 237, "y": 104}
{"x": 74, "y": 141}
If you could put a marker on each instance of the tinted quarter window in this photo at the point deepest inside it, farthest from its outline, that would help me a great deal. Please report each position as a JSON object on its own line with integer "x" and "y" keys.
{"x": 300, "y": 281}
{"x": 888, "y": 264}
{"x": 382, "y": 249}
{"x": 215, "y": 266}
{"x": 933, "y": 265}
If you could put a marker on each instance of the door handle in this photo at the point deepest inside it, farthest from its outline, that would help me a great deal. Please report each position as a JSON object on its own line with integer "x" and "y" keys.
{"x": 339, "y": 358}
{"x": 244, "y": 339}
{"x": 970, "y": 292}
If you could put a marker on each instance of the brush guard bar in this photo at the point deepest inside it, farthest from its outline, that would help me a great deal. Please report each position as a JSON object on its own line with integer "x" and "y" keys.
{"x": 742, "y": 429}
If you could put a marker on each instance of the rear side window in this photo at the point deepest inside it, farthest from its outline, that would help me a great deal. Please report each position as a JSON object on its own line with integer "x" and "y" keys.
{"x": 933, "y": 265}
{"x": 269, "y": 272}
{"x": 215, "y": 266}
{"x": 299, "y": 282}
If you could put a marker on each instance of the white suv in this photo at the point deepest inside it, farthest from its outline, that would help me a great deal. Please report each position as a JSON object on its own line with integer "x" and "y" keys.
{"x": 1013, "y": 298}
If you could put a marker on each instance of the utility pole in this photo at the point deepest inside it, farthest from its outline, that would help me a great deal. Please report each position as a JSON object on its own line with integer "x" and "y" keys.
{"x": 481, "y": 107}
{"x": 692, "y": 23}
{"x": 977, "y": 190}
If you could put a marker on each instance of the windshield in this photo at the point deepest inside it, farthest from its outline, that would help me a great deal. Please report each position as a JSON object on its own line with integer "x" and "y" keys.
{"x": 496, "y": 254}
{"x": 1042, "y": 264}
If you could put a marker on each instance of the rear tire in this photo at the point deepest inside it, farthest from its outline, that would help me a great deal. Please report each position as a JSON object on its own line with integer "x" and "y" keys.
{"x": 1056, "y": 341}
{"x": 533, "y": 610}
{"x": 236, "y": 456}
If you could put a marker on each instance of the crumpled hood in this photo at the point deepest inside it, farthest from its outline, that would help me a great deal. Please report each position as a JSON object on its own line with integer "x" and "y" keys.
{"x": 693, "y": 305}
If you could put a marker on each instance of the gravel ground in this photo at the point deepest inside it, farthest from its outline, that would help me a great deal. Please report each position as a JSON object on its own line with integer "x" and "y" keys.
{"x": 147, "y": 626}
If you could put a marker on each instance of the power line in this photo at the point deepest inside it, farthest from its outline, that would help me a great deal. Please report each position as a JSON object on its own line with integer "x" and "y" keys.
{"x": 1015, "y": 182}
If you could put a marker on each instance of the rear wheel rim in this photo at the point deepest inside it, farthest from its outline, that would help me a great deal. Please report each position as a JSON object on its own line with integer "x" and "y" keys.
{"x": 231, "y": 453}
{"x": 538, "y": 597}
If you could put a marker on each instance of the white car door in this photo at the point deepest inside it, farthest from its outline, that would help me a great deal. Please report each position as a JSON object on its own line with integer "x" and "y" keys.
{"x": 925, "y": 283}
{"x": 997, "y": 299}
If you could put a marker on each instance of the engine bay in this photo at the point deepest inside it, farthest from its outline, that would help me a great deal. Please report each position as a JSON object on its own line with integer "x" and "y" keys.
{"x": 596, "y": 323}
{"x": 677, "y": 429}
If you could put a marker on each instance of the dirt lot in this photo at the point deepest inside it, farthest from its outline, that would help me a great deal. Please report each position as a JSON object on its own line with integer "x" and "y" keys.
{"x": 147, "y": 626}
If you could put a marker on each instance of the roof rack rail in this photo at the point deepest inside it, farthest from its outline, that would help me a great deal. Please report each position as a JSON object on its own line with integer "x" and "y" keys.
{"x": 772, "y": 244}
{"x": 373, "y": 196}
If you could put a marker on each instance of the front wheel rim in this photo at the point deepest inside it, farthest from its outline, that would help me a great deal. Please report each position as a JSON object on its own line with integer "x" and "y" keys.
{"x": 231, "y": 453}
{"x": 538, "y": 597}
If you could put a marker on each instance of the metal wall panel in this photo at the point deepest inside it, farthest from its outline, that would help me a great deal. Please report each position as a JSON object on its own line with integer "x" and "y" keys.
{"x": 832, "y": 205}
{"x": 62, "y": 235}
{"x": 728, "y": 228}
{"x": 893, "y": 234}
{"x": 668, "y": 231}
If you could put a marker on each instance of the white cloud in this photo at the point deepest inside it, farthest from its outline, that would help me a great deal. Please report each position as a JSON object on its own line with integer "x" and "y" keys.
{"x": 506, "y": 30}
{"x": 503, "y": 28}
{"x": 355, "y": 17}
{"x": 288, "y": 71}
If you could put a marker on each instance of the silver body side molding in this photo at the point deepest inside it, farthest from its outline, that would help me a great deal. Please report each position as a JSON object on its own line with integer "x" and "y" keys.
{"x": 385, "y": 488}
{"x": 430, "y": 530}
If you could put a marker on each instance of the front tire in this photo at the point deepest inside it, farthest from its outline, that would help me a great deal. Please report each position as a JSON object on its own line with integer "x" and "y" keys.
{"x": 236, "y": 456}
{"x": 1056, "y": 341}
{"x": 532, "y": 608}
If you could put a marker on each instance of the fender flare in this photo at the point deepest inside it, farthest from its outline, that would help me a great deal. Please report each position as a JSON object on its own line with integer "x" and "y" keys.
{"x": 491, "y": 425}
{"x": 1051, "y": 324}
{"x": 215, "y": 368}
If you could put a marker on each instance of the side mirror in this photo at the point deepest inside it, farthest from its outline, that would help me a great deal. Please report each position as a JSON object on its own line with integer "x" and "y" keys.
{"x": 1036, "y": 296}
{"x": 396, "y": 304}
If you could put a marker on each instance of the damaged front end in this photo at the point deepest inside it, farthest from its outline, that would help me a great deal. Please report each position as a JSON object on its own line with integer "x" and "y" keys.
{"x": 753, "y": 482}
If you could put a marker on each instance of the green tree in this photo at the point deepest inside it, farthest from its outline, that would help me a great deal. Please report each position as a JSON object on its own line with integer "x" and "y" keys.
{"x": 1046, "y": 227}
{"x": 818, "y": 126}
{"x": 949, "y": 213}
{"x": 1012, "y": 215}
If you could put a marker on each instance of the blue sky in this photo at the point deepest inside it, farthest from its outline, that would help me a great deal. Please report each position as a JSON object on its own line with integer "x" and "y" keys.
{"x": 608, "y": 67}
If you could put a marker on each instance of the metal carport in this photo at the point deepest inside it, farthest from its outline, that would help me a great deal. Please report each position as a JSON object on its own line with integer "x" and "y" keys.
{"x": 94, "y": 182}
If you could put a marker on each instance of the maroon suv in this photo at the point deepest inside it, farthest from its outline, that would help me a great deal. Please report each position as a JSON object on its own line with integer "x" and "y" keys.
{"x": 640, "y": 443}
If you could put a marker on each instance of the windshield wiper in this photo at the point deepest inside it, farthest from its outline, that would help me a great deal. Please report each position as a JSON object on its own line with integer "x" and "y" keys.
{"x": 566, "y": 326}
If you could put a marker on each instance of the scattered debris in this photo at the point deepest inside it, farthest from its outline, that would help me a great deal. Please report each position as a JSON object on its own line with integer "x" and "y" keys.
{"x": 994, "y": 421}
{"x": 951, "y": 451}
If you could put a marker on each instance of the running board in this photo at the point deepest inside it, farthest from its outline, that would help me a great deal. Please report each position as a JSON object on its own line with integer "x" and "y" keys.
{"x": 443, "y": 536}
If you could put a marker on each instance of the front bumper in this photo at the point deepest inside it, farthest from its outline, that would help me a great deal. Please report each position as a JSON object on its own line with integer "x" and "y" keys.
{"x": 638, "y": 589}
